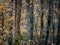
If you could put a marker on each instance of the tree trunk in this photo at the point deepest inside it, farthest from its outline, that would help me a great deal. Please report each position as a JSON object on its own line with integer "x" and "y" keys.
{"x": 31, "y": 17}
{"x": 18, "y": 4}
{"x": 58, "y": 32}
{"x": 42, "y": 9}
{"x": 49, "y": 20}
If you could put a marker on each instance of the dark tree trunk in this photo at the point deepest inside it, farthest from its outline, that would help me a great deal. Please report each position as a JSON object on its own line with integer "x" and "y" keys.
{"x": 31, "y": 17}
{"x": 42, "y": 13}
{"x": 58, "y": 32}
{"x": 18, "y": 17}
{"x": 18, "y": 5}
{"x": 3, "y": 28}
{"x": 47, "y": 32}
{"x": 49, "y": 20}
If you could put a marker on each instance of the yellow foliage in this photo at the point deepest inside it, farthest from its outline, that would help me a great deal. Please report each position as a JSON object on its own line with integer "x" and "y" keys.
{"x": 1, "y": 6}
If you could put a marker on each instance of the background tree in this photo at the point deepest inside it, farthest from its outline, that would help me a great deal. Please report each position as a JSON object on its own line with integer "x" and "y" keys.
{"x": 49, "y": 20}
{"x": 58, "y": 32}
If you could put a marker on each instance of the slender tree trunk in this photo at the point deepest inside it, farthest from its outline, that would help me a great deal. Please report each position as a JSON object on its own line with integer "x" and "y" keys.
{"x": 58, "y": 32}
{"x": 50, "y": 20}
{"x": 18, "y": 4}
{"x": 41, "y": 3}
{"x": 3, "y": 28}
{"x": 31, "y": 22}
{"x": 31, "y": 17}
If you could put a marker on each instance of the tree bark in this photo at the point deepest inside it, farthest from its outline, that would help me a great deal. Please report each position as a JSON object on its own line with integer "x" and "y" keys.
{"x": 58, "y": 32}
